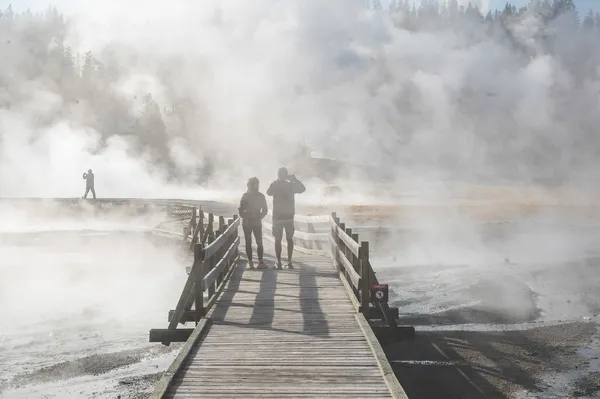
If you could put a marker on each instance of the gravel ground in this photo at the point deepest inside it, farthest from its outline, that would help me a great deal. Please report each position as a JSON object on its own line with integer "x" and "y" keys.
{"x": 509, "y": 311}
{"x": 541, "y": 362}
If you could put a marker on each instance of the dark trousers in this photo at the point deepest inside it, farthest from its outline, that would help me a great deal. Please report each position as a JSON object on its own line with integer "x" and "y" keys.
{"x": 256, "y": 229}
{"x": 87, "y": 190}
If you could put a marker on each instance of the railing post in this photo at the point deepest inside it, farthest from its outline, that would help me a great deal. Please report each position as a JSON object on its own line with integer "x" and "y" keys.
{"x": 356, "y": 264}
{"x": 355, "y": 259}
{"x": 210, "y": 234}
{"x": 221, "y": 222}
{"x": 335, "y": 241}
{"x": 235, "y": 217}
{"x": 193, "y": 221}
{"x": 332, "y": 239}
{"x": 200, "y": 224}
{"x": 200, "y": 273}
{"x": 365, "y": 274}
{"x": 339, "y": 242}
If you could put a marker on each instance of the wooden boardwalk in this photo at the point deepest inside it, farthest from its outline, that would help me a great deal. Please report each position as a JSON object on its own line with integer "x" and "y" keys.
{"x": 283, "y": 333}
{"x": 268, "y": 333}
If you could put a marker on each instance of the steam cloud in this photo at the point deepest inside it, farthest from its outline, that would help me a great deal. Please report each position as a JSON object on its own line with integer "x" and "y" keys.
{"x": 240, "y": 85}
{"x": 172, "y": 88}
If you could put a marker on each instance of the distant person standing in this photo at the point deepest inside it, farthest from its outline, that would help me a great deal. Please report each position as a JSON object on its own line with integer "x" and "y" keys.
{"x": 284, "y": 208}
{"x": 89, "y": 183}
{"x": 253, "y": 208}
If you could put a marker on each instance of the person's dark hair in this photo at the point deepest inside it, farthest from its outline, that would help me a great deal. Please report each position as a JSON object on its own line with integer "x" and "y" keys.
{"x": 282, "y": 173}
{"x": 253, "y": 184}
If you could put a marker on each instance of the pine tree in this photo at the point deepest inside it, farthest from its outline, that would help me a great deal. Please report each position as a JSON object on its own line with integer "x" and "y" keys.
{"x": 473, "y": 12}
{"x": 88, "y": 71}
{"x": 453, "y": 9}
{"x": 508, "y": 10}
{"x": 567, "y": 8}
{"x": 588, "y": 22}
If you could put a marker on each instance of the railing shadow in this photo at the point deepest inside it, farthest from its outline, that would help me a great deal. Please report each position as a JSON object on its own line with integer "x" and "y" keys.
{"x": 479, "y": 364}
{"x": 231, "y": 288}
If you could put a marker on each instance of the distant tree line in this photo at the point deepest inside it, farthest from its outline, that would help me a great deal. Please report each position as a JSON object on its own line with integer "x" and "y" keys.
{"x": 33, "y": 48}
{"x": 451, "y": 11}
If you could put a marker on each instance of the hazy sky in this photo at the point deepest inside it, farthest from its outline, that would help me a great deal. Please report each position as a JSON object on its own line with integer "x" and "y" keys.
{"x": 583, "y": 5}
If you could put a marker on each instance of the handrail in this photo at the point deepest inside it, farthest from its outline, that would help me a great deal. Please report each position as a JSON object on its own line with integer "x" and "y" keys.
{"x": 352, "y": 259}
{"x": 305, "y": 236}
{"x": 350, "y": 256}
{"x": 215, "y": 253}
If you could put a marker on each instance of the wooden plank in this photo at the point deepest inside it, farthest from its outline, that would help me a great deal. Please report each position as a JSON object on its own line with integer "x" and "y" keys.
{"x": 170, "y": 334}
{"x": 347, "y": 265}
{"x": 313, "y": 219}
{"x": 186, "y": 316}
{"x": 214, "y": 246}
{"x": 323, "y": 237}
{"x": 276, "y": 395}
{"x": 386, "y": 369}
{"x": 346, "y": 239}
{"x": 166, "y": 379}
{"x": 220, "y": 288}
{"x": 317, "y": 252}
{"x": 211, "y": 276}
{"x": 183, "y": 299}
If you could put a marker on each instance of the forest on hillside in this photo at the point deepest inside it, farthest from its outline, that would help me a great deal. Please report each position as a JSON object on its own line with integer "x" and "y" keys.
{"x": 549, "y": 131}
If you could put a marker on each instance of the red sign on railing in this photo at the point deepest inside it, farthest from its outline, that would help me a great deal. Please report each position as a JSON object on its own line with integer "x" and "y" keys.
{"x": 379, "y": 293}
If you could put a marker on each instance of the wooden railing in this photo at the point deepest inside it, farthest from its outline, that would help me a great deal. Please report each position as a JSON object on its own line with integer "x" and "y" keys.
{"x": 311, "y": 232}
{"x": 327, "y": 234}
{"x": 215, "y": 252}
{"x": 351, "y": 256}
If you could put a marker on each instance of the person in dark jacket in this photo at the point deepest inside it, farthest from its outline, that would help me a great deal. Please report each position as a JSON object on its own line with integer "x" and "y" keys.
{"x": 284, "y": 208}
{"x": 253, "y": 208}
{"x": 89, "y": 183}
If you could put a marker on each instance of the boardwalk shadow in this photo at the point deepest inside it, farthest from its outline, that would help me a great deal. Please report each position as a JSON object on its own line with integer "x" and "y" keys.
{"x": 313, "y": 316}
{"x": 231, "y": 288}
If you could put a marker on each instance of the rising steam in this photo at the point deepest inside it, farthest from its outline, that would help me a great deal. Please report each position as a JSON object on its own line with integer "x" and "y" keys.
{"x": 220, "y": 90}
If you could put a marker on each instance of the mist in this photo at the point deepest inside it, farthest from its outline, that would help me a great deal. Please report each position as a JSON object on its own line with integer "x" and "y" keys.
{"x": 187, "y": 99}
{"x": 433, "y": 107}
{"x": 470, "y": 139}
